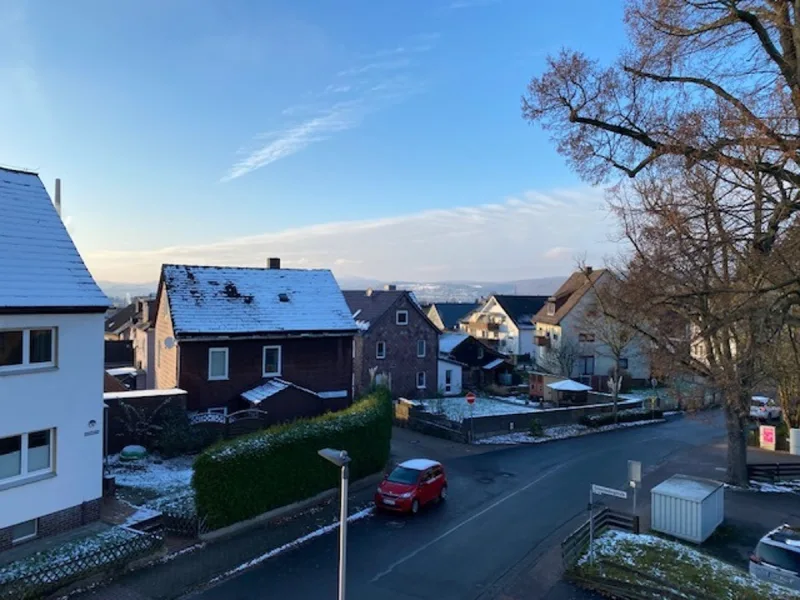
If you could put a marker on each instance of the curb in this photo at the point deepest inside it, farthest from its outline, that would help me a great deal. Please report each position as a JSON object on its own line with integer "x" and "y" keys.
{"x": 288, "y": 510}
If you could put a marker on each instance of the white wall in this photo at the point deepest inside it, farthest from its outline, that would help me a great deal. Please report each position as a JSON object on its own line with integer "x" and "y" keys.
{"x": 508, "y": 335}
{"x": 525, "y": 344}
{"x": 66, "y": 397}
{"x": 455, "y": 389}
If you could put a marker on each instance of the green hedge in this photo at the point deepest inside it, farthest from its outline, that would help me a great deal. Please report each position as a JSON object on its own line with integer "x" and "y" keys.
{"x": 623, "y": 416}
{"x": 250, "y": 475}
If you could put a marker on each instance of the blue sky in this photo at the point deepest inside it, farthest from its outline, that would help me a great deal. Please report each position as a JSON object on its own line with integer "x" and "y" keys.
{"x": 378, "y": 138}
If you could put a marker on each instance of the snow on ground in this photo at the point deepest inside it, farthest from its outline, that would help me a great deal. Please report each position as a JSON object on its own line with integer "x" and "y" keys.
{"x": 293, "y": 544}
{"x": 559, "y": 432}
{"x": 64, "y": 553}
{"x": 457, "y": 409}
{"x": 676, "y": 563}
{"x": 153, "y": 483}
{"x": 780, "y": 487}
{"x": 519, "y": 400}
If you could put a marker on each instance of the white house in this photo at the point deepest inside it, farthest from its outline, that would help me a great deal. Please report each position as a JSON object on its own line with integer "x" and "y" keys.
{"x": 451, "y": 376}
{"x": 505, "y": 323}
{"x": 51, "y": 369}
{"x": 562, "y": 330}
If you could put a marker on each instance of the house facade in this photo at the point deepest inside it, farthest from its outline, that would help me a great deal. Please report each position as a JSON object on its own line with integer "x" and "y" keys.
{"x": 280, "y": 340}
{"x": 564, "y": 338}
{"x": 143, "y": 336}
{"x": 505, "y": 323}
{"x": 397, "y": 344}
{"x": 51, "y": 370}
{"x": 481, "y": 364}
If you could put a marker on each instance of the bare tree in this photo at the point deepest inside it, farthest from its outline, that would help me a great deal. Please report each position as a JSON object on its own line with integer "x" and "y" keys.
{"x": 560, "y": 358}
{"x": 614, "y": 338}
{"x": 707, "y": 94}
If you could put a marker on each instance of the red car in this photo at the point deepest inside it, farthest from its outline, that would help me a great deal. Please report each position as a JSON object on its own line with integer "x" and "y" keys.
{"x": 411, "y": 485}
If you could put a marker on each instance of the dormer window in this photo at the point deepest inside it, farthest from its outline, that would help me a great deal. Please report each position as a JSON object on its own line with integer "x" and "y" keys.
{"x": 401, "y": 317}
{"x": 551, "y": 309}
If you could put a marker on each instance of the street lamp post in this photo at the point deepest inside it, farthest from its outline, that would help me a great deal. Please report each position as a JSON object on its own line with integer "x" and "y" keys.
{"x": 341, "y": 459}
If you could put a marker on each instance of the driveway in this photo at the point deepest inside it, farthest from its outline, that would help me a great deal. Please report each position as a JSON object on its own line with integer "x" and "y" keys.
{"x": 506, "y": 513}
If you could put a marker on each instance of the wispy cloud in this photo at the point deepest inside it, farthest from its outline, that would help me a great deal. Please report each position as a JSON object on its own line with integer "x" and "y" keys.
{"x": 559, "y": 252}
{"x": 377, "y": 81}
{"x": 458, "y": 4}
{"x": 405, "y": 246}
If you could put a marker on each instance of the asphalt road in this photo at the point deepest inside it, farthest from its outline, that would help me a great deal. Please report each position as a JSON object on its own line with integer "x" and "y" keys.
{"x": 502, "y": 508}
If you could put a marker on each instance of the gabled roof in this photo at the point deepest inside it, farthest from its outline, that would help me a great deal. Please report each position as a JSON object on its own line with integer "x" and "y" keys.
{"x": 39, "y": 264}
{"x": 238, "y": 300}
{"x": 450, "y": 341}
{"x": 520, "y": 309}
{"x": 121, "y": 318}
{"x": 367, "y": 306}
{"x": 452, "y": 312}
{"x": 568, "y": 296}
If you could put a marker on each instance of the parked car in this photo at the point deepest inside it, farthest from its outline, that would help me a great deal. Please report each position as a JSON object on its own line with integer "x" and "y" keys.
{"x": 764, "y": 409}
{"x": 411, "y": 485}
{"x": 777, "y": 558}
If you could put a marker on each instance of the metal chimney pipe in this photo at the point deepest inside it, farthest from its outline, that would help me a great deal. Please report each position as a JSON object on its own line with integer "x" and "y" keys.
{"x": 58, "y": 196}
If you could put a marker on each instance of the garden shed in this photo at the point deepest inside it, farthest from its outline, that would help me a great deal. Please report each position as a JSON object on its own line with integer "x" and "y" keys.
{"x": 688, "y": 508}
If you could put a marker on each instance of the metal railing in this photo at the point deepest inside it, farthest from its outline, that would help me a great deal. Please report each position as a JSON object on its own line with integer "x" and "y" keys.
{"x": 773, "y": 472}
{"x": 576, "y": 543}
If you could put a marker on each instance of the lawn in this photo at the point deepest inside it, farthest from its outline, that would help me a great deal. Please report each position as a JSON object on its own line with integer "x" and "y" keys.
{"x": 457, "y": 409}
{"x": 623, "y": 556}
{"x": 156, "y": 484}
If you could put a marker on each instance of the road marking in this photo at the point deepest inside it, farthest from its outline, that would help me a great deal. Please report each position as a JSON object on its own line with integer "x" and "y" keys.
{"x": 455, "y": 528}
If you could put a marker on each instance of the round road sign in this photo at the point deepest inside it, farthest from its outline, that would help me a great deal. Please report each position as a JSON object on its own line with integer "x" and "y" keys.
{"x": 470, "y": 398}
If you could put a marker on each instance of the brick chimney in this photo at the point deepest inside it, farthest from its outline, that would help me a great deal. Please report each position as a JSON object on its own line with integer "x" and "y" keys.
{"x": 589, "y": 270}
{"x": 273, "y": 263}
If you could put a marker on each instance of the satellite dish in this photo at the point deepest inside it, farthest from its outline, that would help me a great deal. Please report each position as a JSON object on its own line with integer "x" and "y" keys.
{"x": 169, "y": 343}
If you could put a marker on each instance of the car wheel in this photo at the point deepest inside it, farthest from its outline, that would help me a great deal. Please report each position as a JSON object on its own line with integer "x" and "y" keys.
{"x": 414, "y": 506}
{"x": 443, "y": 494}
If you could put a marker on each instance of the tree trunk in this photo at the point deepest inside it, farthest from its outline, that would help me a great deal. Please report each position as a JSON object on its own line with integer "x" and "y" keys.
{"x": 737, "y": 446}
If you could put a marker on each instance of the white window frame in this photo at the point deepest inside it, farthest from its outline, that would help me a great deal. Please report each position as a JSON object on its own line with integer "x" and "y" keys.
{"x": 227, "y": 364}
{"x": 25, "y": 538}
{"x": 424, "y": 380}
{"x": 264, "y": 372}
{"x": 397, "y": 317}
{"x": 551, "y": 309}
{"x": 424, "y": 348}
{"x": 26, "y": 364}
{"x": 448, "y": 374}
{"x": 24, "y": 474}
{"x": 378, "y": 354}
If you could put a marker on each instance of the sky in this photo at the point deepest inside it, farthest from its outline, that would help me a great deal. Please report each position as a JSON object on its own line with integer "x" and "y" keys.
{"x": 382, "y": 139}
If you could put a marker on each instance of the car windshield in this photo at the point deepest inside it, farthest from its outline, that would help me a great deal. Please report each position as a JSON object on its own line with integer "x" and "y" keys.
{"x": 779, "y": 557}
{"x": 403, "y": 475}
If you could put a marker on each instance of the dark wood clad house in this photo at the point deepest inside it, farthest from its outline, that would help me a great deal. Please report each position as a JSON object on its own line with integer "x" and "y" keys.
{"x": 482, "y": 364}
{"x": 397, "y": 344}
{"x": 280, "y": 340}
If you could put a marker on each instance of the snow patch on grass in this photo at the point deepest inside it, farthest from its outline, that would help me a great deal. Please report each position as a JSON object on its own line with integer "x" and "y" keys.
{"x": 676, "y": 564}
{"x": 457, "y": 409}
{"x": 155, "y": 484}
{"x": 782, "y": 487}
{"x": 559, "y": 432}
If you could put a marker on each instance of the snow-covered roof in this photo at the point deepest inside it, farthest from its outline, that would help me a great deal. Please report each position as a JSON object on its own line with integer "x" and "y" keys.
{"x": 451, "y": 361}
{"x": 450, "y": 341}
{"x": 262, "y": 392}
{"x": 688, "y": 488}
{"x": 273, "y": 386}
{"x": 142, "y": 394}
{"x": 119, "y": 371}
{"x": 567, "y": 385}
{"x": 39, "y": 264}
{"x": 495, "y": 363}
{"x": 419, "y": 464}
{"x": 237, "y": 300}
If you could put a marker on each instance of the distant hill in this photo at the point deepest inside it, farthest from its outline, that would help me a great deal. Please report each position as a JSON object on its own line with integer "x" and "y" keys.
{"x": 445, "y": 291}
{"x": 461, "y": 291}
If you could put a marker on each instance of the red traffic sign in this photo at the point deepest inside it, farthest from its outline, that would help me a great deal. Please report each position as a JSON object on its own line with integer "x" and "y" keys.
{"x": 470, "y": 398}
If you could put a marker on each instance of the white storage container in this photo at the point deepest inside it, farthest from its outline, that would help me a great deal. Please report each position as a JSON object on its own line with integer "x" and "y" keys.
{"x": 686, "y": 507}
